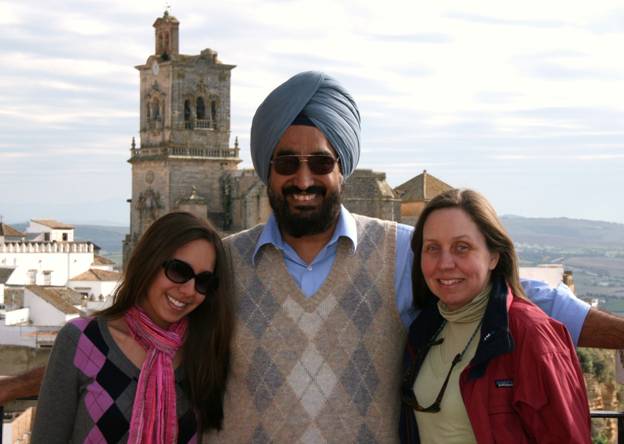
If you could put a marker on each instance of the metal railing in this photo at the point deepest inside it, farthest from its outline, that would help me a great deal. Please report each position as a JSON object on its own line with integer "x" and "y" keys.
{"x": 182, "y": 151}
{"x": 595, "y": 414}
{"x": 205, "y": 124}
{"x": 606, "y": 414}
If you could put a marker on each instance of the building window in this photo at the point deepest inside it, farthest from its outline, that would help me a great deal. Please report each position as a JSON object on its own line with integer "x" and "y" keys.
{"x": 200, "y": 112}
{"x": 155, "y": 109}
{"x": 46, "y": 236}
{"x": 65, "y": 237}
{"x": 202, "y": 120}
{"x": 187, "y": 115}
{"x": 187, "y": 110}
{"x": 213, "y": 113}
{"x": 32, "y": 277}
{"x": 47, "y": 277}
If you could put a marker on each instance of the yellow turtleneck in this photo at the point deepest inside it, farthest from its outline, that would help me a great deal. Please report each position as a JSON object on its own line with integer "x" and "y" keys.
{"x": 451, "y": 424}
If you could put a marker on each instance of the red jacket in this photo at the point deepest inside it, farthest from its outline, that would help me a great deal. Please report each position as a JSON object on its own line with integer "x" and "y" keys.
{"x": 524, "y": 384}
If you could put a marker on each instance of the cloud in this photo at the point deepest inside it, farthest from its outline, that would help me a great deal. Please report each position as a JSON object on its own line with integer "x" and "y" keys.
{"x": 84, "y": 25}
{"x": 609, "y": 23}
{"x": 435, "y": 38}
{"x": 600, "y": 156}
{"x": 466, "y": 92}
{"x": 497, "y": 21}
{"x": 82, "y": 67}
{"x": 12, "y": 13}
{"x": 14, "y": 154}
{"x": 43, "y": 115}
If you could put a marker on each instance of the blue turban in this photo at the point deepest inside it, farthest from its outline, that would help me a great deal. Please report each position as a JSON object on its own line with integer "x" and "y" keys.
{"x": 324, "y": 101}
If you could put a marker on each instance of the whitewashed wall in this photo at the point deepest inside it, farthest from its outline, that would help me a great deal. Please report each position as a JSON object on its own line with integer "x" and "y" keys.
{"x": 105, "y": 267}
{"x": 95, "y": 306}
{"x": 44, "y": 313}
{"x": 95, "y": 288}
{"x": 551, "y": 274}
{"x": 27, "y": 336}
{"x": 55, "y": 234}
{"x": 64, "y": 261}
{"x": 15, "y": 317}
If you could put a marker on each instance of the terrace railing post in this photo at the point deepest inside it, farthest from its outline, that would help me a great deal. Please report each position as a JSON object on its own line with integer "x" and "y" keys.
{"x": 605, "y": 414}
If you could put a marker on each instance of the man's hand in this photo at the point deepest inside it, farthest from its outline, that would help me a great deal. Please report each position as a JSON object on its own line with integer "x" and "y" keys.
{"x": 602, "y": 330}
{"x": 23, "y": 385}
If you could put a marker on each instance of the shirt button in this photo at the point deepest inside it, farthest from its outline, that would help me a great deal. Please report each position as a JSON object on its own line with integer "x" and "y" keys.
{"x": 309, "y": 267}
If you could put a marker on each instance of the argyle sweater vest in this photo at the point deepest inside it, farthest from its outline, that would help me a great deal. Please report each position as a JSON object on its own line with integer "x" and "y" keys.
{"x": 319, "y": 369}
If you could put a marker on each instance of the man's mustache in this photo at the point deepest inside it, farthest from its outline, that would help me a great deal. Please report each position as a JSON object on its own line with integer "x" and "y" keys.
{"x": 314, "y": 189}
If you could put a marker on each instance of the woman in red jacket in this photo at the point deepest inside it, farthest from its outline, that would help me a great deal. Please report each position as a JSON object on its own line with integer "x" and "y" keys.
{"x": 482, "y": 363}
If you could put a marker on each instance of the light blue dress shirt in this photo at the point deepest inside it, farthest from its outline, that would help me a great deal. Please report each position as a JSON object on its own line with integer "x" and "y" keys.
{"x": 559, "y": 303}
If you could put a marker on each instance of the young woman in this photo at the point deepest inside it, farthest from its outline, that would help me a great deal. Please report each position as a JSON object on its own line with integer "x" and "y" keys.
{"x": 153, "y": 367}
{"x": 482, "y": 363}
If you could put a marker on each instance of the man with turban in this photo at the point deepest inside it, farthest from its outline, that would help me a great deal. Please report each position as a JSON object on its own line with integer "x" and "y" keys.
{"x": 324, "y": 295}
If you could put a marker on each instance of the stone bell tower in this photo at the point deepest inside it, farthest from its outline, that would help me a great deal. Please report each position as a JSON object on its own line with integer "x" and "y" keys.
{"x": 184, "y": 134}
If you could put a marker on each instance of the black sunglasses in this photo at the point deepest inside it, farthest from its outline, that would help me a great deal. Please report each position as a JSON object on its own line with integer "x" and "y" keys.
{"x": 409, "y": 397}
{"x": 180, "y": 272}
{"x": 289, "y": 164}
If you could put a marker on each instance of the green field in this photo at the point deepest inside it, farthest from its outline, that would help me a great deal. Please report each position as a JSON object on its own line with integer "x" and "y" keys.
{"x": 614, "y": 305}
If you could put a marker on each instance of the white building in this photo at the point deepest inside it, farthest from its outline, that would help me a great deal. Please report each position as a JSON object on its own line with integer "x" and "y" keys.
{"x": 8, "y": 233}
{"x": 5, "y": 274}
{"x": 49, "y": 256}
{"x": 45, "y": 263}
{"x": 52, "y": 278}
{"x": 96, "y": 286}
{"x": 51, "y": 230}
{"x": 51, "y": 306}
{"x": 102, "y": 263}
{"x": 552, "y": 274}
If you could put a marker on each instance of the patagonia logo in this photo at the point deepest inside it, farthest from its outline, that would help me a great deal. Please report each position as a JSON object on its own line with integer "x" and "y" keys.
{"x": 504, "y": 383}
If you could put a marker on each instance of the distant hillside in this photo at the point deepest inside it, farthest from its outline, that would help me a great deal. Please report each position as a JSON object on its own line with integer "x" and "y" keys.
{"x": 592, "y": 250}
{"x": 549, "y": 233}
{"x": 109, "y": 239}
{"x": 566, "y": 233}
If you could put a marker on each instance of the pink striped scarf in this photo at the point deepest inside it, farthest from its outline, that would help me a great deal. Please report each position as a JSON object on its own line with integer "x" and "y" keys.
{"x": 154, "y": 417}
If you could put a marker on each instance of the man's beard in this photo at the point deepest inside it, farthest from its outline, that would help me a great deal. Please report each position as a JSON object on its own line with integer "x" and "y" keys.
{"x": 307, "y": 221}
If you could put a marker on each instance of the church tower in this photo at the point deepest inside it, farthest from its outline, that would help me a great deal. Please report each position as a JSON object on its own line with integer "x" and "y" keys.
{"x": 184, "y": 135}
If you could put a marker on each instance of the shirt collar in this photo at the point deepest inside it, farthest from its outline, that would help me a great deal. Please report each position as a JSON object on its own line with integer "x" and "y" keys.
{"x": 270, "y": 235}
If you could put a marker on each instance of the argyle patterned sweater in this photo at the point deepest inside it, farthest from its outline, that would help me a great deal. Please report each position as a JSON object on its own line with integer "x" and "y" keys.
{"x": 89, "y": 387}
{"x": 319, "y": 369}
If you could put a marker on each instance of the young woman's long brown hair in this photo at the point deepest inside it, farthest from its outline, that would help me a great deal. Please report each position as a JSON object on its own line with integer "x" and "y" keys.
{"x": 206, "y": 349}
{"x": 477, "y": 207}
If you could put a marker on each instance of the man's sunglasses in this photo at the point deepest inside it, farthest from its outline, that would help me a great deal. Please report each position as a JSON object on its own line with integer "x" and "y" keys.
{"x": 179, "y": 272}
{"x": 289, "y": 164}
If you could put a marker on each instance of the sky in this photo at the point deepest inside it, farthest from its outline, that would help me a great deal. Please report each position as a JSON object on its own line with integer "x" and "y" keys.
{"x": 523, "y": 101}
